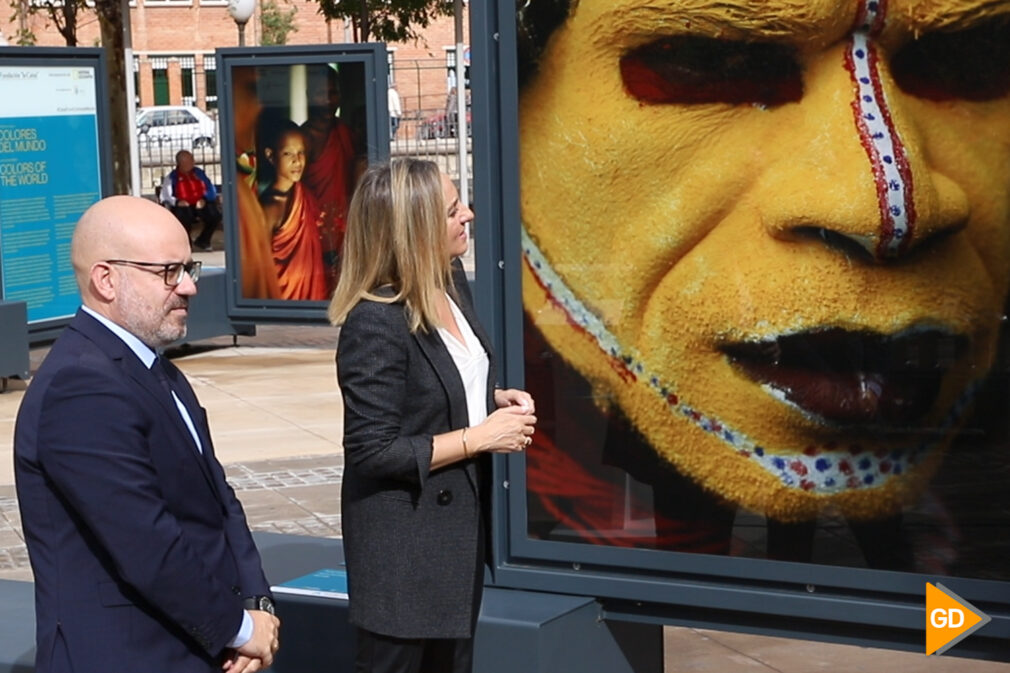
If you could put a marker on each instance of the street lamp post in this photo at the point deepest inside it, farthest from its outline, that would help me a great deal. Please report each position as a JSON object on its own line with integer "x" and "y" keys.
{"x": 461, "y": 123}
{"x": 241, "y": 11}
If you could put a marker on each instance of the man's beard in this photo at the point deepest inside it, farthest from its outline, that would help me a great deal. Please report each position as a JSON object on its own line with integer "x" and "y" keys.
{"x": 150, "y": 324}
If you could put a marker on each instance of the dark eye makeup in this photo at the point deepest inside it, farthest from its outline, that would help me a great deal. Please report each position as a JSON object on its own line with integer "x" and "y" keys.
{"x": 689, "y": 69}
{"x": 971, "y": 64}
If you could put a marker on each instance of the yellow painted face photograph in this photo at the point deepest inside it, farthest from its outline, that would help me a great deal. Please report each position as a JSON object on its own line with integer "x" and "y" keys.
{"x": 773, "y": 239}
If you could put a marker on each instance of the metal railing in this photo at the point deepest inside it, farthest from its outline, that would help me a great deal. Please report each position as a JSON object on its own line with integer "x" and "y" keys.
{"x": 427, "y": 128}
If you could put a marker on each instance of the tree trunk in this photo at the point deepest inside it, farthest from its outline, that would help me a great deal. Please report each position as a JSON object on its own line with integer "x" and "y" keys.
{"x": 70, "y": 23}
{"x": 110, "y": 17}
{"x": 23, "y": 32}
{"x": 364, "y": 25}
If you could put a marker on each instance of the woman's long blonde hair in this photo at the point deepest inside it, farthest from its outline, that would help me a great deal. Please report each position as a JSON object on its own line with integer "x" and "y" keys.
{"x": 396, "y": 236}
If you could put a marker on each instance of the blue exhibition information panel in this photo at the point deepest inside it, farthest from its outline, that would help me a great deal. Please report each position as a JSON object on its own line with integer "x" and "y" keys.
{"x": 49, "y": 175}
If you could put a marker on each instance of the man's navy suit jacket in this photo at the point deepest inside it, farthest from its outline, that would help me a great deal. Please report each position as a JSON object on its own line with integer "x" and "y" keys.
{"x": 141, "y": 552}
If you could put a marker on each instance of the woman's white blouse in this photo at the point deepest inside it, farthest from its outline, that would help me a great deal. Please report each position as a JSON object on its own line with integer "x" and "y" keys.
{"x": 472, "y": 363}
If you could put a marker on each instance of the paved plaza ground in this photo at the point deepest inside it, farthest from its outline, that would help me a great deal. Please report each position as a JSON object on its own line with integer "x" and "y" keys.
{"x": 276, "y": 418}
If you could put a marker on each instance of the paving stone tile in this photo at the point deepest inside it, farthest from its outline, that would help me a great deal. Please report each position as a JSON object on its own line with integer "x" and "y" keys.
{"x": 319, "y": 410}
{"x": 688, "y": 650}
{"x": 17, "y": 574}
{"x": 10, "y": 538}
{"x": 264, "y": 506}
{"x": 11, "y": 400}
{"x": 295, "y": 463}
{"x": 253, "y": 444}
{"x": 321, "y": 499}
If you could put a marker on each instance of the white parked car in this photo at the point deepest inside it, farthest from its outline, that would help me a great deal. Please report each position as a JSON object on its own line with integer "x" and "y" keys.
{"x": 177, "y": 126}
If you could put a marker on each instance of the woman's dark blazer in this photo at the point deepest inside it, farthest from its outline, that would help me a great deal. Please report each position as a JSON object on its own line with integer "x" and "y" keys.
{"x": 412, "y": 537}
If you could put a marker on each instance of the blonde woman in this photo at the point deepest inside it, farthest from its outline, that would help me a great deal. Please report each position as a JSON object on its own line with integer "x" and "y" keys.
{"x": 421, "y": 415}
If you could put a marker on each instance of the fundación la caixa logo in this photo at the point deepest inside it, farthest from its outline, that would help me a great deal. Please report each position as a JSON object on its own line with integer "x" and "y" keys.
{"x": 949, "y": 619}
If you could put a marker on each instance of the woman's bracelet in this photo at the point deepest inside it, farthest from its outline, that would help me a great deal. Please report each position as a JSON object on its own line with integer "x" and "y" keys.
{"x": 466, "y": 449}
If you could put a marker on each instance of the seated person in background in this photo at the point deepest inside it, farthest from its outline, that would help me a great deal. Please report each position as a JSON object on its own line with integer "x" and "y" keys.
{"x": 189, "y": 193}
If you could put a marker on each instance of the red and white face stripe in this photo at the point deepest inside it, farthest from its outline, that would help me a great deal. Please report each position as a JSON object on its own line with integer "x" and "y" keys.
{"x": 878, "y": 135}
{"x": 820, "y": 469}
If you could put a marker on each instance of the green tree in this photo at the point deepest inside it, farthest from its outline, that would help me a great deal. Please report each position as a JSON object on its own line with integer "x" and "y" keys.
{"x": 386, "y": 20}
{"x": 276, "y": 23}
{"x": 25, "y": 38}
{"x": 65, "y": 15}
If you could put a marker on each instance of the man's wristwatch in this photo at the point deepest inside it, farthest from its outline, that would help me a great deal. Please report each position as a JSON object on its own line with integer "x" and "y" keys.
{"x": 263, "y": 603}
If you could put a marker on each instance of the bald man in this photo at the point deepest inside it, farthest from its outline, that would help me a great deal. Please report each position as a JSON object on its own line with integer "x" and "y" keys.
{"x": 142, "y": 556}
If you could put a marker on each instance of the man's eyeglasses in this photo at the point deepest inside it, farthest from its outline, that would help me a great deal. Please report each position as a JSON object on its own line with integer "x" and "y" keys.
{"x": 172, "y": 272}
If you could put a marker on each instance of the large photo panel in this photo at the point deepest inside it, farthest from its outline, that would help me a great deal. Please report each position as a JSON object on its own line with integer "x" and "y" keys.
{"x": 765, "y": 269}
{"x": 304, "y": 127}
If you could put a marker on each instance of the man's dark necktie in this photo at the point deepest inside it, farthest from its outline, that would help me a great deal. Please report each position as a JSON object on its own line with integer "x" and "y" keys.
{"x": 161, "y": 373}
{"x": 158, "y": 369}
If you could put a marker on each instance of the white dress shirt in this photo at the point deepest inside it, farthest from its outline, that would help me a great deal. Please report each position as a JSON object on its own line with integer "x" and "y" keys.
{"x": 472, "y": 363}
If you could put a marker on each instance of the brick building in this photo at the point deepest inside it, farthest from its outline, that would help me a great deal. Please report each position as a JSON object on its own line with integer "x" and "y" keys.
{"x": 174, "y": 42}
